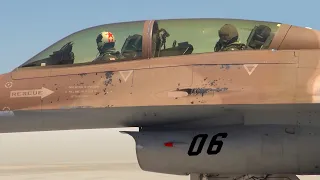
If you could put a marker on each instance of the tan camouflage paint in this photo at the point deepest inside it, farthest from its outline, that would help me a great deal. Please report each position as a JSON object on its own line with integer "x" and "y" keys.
{"x": 287, "y": 73}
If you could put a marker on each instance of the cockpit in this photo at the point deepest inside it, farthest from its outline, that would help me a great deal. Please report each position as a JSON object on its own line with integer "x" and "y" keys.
{"x": 153, "y": 39}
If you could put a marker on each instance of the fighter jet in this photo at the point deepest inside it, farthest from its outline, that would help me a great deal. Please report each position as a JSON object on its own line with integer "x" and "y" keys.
{"x": 212, "y": 98}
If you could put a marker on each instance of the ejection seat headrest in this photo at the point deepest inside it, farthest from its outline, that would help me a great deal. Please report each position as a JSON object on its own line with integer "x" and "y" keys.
{"x": 258, "y": 36}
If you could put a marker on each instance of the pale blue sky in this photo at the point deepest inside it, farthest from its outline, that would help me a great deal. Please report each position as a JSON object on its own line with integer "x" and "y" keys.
{"x": 27, "y": 27}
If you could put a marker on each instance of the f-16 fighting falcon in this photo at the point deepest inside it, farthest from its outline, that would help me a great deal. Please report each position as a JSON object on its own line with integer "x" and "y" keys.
{"x": 212, "y": 98}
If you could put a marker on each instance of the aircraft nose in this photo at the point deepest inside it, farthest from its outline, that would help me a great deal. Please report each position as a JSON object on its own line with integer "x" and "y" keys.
{"x": 2, "y": 77}
{"x": 2, "y": 80}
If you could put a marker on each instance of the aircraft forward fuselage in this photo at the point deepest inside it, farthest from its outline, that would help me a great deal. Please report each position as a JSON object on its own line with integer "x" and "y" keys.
{"x": 183, "y": 89}
{"x": 126, "y": 75}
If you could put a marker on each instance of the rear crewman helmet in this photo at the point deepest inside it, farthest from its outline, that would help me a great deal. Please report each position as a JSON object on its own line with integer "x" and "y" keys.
{"x": 228, "y": 33}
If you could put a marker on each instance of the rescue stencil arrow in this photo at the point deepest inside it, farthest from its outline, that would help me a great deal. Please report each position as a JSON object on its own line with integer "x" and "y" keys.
{"x": 43, "y": 92}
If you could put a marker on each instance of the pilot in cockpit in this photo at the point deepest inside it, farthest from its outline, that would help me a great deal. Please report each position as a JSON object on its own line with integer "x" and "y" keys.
{"x": 105, "y": 45}
{"x": 228, "y": 39}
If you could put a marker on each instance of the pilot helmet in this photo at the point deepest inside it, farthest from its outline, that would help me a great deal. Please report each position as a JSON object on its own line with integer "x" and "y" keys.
{"x": 228, "y": 33}
{"x": 105, "y": 40}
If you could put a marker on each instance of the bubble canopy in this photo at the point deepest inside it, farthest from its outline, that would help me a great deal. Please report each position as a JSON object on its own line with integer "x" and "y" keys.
{"x": 151, "y": 39}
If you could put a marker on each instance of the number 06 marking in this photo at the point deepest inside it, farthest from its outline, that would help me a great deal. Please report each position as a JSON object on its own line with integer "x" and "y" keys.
{"x": 203, "y": 138}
